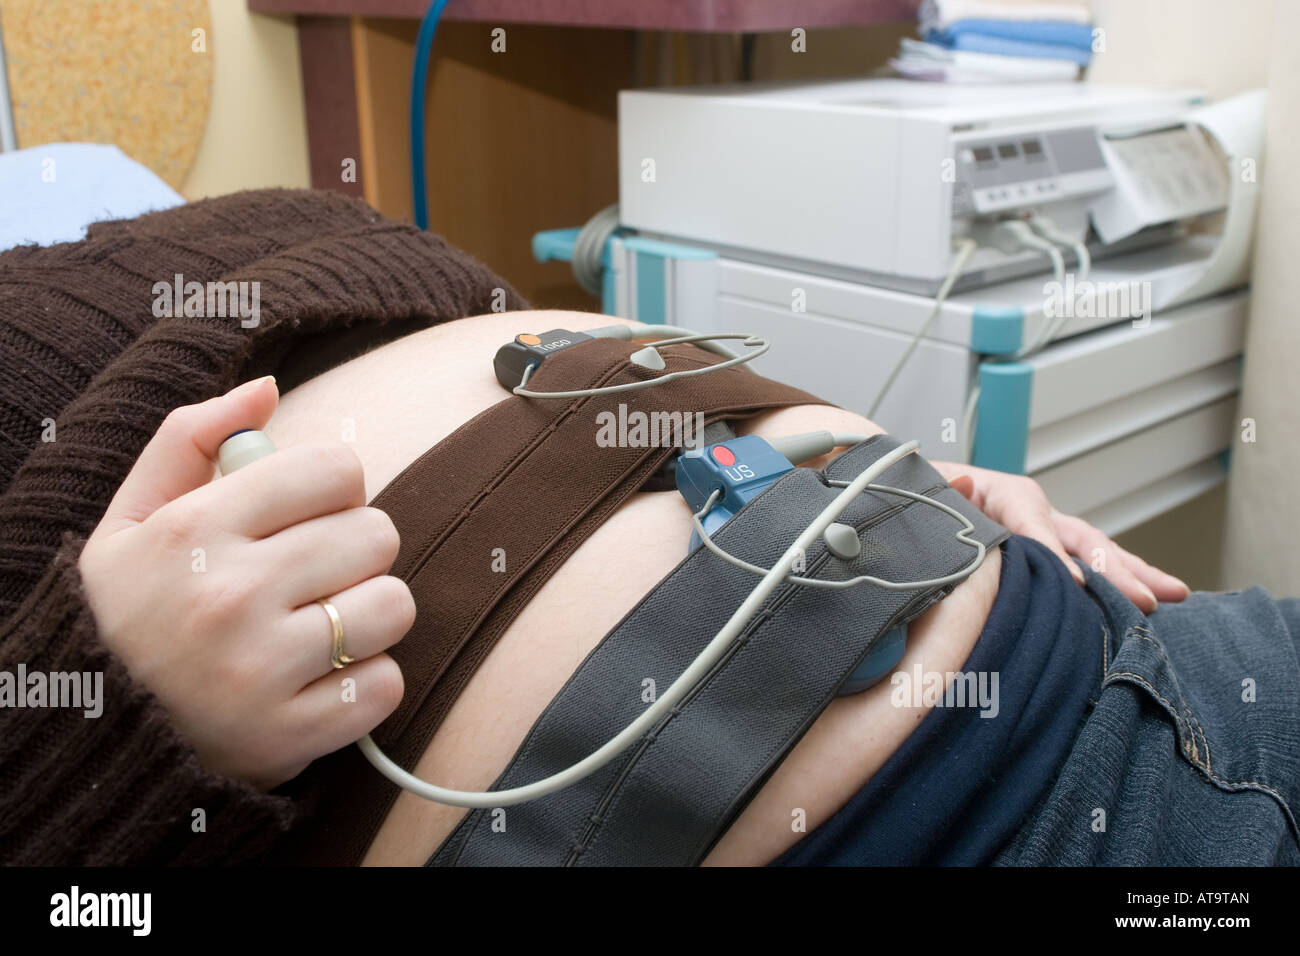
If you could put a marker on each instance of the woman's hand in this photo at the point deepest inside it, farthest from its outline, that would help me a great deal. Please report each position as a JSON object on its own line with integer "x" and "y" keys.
{"x": 1019, "y": 505}
{"x": 206, "y": 590}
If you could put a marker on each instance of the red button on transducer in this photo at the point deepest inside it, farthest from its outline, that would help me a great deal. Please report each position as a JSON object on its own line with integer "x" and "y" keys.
{"x": 724, "y": 456}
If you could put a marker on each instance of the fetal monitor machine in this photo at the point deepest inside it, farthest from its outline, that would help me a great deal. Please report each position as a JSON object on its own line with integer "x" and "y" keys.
{"x": 1046, "y": 279}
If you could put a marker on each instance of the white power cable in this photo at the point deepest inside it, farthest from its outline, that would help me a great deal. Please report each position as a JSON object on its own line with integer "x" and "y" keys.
{"x": 965, "y": 249}
{"x": 1014, "y": 235}
{"x": 1047, "y": 230}
{"x": 968, "y": 420}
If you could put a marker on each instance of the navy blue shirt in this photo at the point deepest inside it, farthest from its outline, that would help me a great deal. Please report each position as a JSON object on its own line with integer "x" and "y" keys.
{"x": 962, "y": 784}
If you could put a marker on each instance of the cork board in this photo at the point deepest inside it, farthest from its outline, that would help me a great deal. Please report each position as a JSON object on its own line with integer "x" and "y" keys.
{"x": 106, "y": 71}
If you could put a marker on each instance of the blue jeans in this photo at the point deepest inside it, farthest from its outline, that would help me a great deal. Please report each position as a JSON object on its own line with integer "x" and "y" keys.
{"x": 1191, "y": 754}
{"x": 1121, "y": 738}
{"x": 962, "y": 785}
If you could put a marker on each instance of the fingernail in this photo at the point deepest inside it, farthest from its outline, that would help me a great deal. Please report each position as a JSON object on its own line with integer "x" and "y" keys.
{"x": 249, "y": 386}
{"x": 1151, "y": 598}
{"x": 1183, "y": 584}
{"x": 955, "y": 480}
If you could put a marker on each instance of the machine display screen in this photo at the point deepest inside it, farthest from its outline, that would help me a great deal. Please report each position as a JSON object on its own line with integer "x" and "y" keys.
{"x": 1028, "y": 167}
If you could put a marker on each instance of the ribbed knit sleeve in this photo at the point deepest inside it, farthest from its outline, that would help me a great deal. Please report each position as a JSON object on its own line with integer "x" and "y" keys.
{"x": 119, "y": 788}
{"x": 87, "y": 374}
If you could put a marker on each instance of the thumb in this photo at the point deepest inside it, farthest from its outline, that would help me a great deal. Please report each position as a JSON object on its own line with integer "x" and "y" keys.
{"x": 180, "y": 456}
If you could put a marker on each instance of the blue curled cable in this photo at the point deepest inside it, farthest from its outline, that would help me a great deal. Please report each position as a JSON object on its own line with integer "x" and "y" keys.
{"x": 419, "y": 81}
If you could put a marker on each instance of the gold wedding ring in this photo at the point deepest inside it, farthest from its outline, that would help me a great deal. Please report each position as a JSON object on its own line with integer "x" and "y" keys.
{"x": 337, "y": 657}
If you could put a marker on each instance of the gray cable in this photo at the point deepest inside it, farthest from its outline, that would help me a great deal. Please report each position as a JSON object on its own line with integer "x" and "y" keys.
{"x": 637, "y": 331}
{"x": 758, "y": 345}
{"x": 963, "y": 536}
{"x": 1046, "y": 228}
{"x": 589, "y": 247}
{"x": 800, "y": 448}
{"x": 809, "y": 445}
{"x": 965, "y": 249}
{"x": 1015, "y": 235}
{"x": 804, "y": 447}
{"x": 668, "y": 700}
{"x": 968, "y": 421}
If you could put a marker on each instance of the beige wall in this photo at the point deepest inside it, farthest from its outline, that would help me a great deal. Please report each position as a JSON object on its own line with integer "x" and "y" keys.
{"x": 256, "y": 132}
{"x": 1221, "y": 48}
{"x": 1263, "y": 509}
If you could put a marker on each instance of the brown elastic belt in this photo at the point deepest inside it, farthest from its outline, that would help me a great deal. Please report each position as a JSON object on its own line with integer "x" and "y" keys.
{"x": 528, "y": 477}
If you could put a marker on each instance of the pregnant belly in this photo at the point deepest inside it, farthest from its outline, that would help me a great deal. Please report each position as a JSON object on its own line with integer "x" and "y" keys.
{"x": 395, "y": 402}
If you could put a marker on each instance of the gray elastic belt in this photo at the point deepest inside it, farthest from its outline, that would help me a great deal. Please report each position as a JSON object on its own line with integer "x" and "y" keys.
{"x": 672, "y": 795}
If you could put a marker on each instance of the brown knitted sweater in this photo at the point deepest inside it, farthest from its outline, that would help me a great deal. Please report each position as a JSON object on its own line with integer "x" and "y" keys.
{"x": 79, "y": 344}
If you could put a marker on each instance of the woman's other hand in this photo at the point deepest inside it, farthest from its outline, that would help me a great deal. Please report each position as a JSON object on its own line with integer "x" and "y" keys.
{"x": 206, "y": 589}
{"x": 1019, "y": 504}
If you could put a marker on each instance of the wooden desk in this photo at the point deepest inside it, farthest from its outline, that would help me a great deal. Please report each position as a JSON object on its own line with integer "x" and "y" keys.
{"x": 716, "y": 16}
{"x": 526, "y": 139}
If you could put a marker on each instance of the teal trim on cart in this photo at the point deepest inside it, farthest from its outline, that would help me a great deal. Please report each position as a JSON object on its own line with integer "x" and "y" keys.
{"x": 997, "y": 329}
{"x": 651, "y": 259}
{"x": 651, "y": 298}
{"x": 1002, "y": 423}
{"x": 666, "y": 250}
{"x": 555, "y": 244}
{"x": 608, "y": 292}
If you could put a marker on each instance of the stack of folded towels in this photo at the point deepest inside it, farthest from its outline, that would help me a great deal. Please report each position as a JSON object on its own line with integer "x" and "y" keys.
{"x": 998, "y": 41}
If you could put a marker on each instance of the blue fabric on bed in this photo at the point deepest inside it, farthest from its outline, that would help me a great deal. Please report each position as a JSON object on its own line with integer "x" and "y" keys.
{"x": 51, "y": 193}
